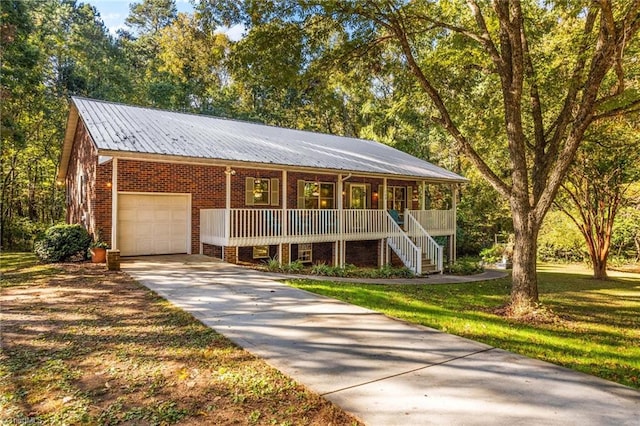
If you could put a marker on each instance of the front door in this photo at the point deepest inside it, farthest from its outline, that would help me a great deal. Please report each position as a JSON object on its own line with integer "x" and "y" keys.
{"x": 358, "y": 196}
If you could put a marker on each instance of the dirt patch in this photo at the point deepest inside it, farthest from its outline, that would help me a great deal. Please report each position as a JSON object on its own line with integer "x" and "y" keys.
{"x": 83, "y": 345}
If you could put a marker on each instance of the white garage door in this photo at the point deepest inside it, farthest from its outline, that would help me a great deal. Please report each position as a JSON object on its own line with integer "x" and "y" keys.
{"x": 152, "y": 224}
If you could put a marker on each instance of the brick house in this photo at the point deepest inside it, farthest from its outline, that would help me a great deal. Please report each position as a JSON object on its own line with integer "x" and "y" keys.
{"x": 159, "y": 182}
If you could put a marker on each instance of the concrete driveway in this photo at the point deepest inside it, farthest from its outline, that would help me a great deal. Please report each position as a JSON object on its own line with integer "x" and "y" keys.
{"x": 383, "y": 371}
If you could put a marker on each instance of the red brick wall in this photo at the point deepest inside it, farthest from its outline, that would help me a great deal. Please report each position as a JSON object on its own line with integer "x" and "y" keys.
{"x": 321, "y": 253}
{"x": 245, "y": 254}
{"x": 212, "y": 251}
{"x": 206, "y": 184}
{"x": 362, "y": 253}
{"x": 81, "y": 203}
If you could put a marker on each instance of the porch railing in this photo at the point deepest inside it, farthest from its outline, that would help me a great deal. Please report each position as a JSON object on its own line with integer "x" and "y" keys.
{"x": 247, "y": 227}
{"x": 430, "y": 249}
{"x": 273, "y": 226}
{"x": 212, "y": 227}
{"x": 436, "y": 222}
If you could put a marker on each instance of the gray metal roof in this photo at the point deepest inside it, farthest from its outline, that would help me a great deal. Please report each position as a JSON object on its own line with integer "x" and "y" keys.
{"x": 131, "y": 129}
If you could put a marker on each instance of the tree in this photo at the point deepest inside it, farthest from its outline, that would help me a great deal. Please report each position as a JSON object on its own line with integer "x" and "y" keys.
{"x": 50, "y": 50}
{"x": 141, "y": 49}
{"x": 599, "y": 183}
{"x": 150, "y": 16}
{"x": 532, "y": 75}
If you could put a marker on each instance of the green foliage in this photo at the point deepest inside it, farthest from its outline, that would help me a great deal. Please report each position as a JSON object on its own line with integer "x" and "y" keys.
{"x": 492, "y": 254}
{"x": 560, "y": 240}
{"x": 602, "y": 180}
{"x": 625, "y": 241}
{"x": 23, "y": 232}
{"x": 273, "y": 265}
{"x": 465, "y": 266}
{"x": 481, "y": 215}
{"x": 293, "y": 267}
{"x": 352, "y": 271}
{"x": 63, "y": 242}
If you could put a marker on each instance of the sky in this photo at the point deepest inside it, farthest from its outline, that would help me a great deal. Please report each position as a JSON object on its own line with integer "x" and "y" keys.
{"x": 114, "y": 12}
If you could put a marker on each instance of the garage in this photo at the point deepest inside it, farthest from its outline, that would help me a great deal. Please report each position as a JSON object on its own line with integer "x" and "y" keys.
{"x": 153, "y": 224}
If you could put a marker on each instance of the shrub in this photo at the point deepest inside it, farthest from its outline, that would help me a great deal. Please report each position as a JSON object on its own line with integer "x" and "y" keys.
{"x": 322, "y": 269}
{"x": 465, "y": 266}
{"x": 63, "y": 242}
{"x": 492, "y": 254}
{"x": 390, "y": 271}
{"x": 293, "y": 267}
{"x": 273, "y": 265}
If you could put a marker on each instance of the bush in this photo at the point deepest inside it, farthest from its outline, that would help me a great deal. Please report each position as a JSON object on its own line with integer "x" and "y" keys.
{"x": 465, "y": 266}
{"x": 293, "y": 267}
{"x": 322, "y": 269}
{"x": 273, "y": 265}
{"x": 492, "y": 254}
{"x": 63, "y": 242}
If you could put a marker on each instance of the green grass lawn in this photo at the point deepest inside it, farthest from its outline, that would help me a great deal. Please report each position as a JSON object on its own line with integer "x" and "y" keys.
{"x": 597, "y": 332}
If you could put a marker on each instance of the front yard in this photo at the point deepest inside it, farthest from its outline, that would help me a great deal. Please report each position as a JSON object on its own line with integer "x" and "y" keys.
{"x": 590, "y": 326}
{"x": 81, "y": 345}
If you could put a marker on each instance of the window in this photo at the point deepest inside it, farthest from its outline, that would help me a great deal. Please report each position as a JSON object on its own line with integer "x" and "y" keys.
{"x": 315, "y": 195}
{"x": 83, "y": 189}
{"x": 261, "y": 191}
{"x": 304, "y": 252}
{"x": 260, "y": 252}
{"x": 358, "y": 196}
{"x": 396, "y": 198}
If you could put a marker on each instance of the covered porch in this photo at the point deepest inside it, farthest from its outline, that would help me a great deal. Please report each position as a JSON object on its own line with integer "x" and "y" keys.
{"x": 412, "y": 242}
{"x": 387, "y": 216}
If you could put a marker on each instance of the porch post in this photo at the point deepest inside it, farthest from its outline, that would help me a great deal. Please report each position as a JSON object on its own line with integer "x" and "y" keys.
{"x": 114, "y": 203}
{"x": 285, "y": 219}
{"x": 454, "y": 207}
{"x": 384, "y": 249}
{"x": 340, "y": 242}
{"x": 227, "y": 211}
{"x": 384, "y": 195}
{"x": 423, "y": 196}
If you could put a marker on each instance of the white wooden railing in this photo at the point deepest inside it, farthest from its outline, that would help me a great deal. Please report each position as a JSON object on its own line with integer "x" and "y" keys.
{"x": 401, "y": 244}
{"x": 436, "y": 222}
{"x": 431, "y": 250}
{"x": 260, "y": 226}
{"x": 312, "y": 225}
{"x": 369, "y": 223}
{"x": 212, "y": 227}
{"x": 247, "y": 227}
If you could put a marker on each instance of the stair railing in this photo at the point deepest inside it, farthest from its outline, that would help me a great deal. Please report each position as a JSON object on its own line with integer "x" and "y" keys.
{"x": 401, "y": 244}
{"x": 430, "y": 248}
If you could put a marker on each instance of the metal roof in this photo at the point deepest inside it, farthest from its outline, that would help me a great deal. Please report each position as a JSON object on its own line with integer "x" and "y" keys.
{"x": 131, "y": 129}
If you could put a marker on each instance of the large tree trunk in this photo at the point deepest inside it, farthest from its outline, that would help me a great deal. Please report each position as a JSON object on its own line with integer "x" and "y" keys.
{"x": 524, "y": 289}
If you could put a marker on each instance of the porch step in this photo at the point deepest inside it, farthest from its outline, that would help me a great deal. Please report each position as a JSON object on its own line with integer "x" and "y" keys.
{"x": 428, "y": 267}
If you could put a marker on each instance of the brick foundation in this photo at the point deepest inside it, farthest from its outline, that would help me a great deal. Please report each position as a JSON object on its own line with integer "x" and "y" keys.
{"x": 212, "y": 251}
{"x": 231, "y": 254}
{"x": 286, "y": 255}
